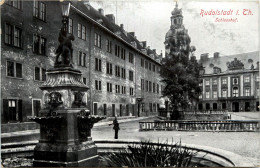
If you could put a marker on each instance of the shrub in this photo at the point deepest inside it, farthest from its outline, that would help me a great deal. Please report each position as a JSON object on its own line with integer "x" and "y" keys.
{"x": 147, "y": 154}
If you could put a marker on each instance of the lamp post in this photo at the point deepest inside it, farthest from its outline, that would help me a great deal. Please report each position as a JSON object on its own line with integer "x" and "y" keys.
{"x": 139, "y": 99}
{"x": 65, "y": 8}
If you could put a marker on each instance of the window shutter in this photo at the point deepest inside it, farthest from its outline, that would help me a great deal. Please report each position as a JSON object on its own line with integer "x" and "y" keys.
{"x": 5, "y": 110}
{"x": 20, "y": 110}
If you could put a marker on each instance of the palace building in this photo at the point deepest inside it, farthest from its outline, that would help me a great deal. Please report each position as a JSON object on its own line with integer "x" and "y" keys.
{"x": 230, "y": 83}
{"x": 121, "y": 72}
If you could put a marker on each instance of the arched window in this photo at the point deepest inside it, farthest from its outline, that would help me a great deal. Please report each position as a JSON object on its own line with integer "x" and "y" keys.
{"x": 235, "y": 92}
{"x": 175, "y": 21}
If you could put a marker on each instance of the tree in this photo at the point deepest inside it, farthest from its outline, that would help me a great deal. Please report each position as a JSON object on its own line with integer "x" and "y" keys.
{"x": 180, "y": 72}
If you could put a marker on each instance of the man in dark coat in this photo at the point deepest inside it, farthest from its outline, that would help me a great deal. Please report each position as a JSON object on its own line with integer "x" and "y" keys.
{"x": 116, "y": 127}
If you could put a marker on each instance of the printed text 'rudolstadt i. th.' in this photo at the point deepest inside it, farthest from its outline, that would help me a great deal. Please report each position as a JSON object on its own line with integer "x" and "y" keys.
{"x": 226, "y": 15}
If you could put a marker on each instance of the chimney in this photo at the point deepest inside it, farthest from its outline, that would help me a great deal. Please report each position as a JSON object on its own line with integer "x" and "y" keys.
{"x": 111, "y": 18}
{"x": 144, "y": 44}
{"x": 122, "y": 26}
{"x": 101, "y": 11}
{"x": 154, "y": 50}
{"x": 132, "y": 33}
{"x": 204, "y": 57}
{"x": 216, "y": 55}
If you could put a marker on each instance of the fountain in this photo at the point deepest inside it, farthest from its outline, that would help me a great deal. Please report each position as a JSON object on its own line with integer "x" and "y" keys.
{"x": 65, "y": 122}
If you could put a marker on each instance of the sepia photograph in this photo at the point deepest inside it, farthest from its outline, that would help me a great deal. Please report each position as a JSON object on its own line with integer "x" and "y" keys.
{"x": 130, "y": 83}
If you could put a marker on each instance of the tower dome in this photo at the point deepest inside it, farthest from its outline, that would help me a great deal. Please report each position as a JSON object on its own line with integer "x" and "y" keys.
{"x": 176, "y": 10}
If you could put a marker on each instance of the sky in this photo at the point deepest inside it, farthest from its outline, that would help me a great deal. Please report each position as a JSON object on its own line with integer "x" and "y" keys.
{"x": 150, "y": 20}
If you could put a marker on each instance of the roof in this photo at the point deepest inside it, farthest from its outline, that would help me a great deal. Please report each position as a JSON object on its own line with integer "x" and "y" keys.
{"x": 222, "y": 62}
{"x": 112, "y": 28}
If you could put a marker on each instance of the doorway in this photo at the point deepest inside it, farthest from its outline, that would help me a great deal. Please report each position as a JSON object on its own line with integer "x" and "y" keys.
{"x": 247, "y": 106}
{"x": 95, "y": 108}
{"x": 113, "y": 110}
{"x": 235, "y": 107}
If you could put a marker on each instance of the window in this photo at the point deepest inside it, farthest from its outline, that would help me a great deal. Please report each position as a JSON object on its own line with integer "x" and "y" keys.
{"x": 70, "y": 29}
{"x": 13, "y": 35}
{"x": 157, "y": 88}
{"x": 224, "y": 93}
{"x": 117, "y": 70}
{"x": 215, "y": 82}
{"x": 257, "y": 78}
{"x": 131, "y": 57}
{"x": 247, "y": 79}
{"x": 109, "y": 68}
{"x": 207, "y": 82}
{"x": 207, "y": 95}
{"x": 247, "y": 92}
{"x": 153, "y": 87}
{"x": 36, "y": 107}
{"x": 117, "y": 88}
{"x": 150, "y": 86}
{"x": 142, "y": 62}
{"x": 215, "y": 94}
{"x": 154, "y": 107}
{"x": 98, "y": 64}
{"x": 17, "y": 37}
{"x": 224, "y": 81}
{"x": 158, "y": 69}
{"x": 123, "y": 53}
{"x": 97, "y": 40}
{"x": 123, "y": 73}
{"x": 151, "y": 107}
{"x": 235, "y": 81}
{"x": 82, "y": 59}
{"x": 142, "y": 84}
{"x": 81, "y": 31}
{"x": 14, "y": 69}
{"x": 143, "y": 107}
{"x": 12, "y": 110}
{"x": 117, "y": 50}
{"x": 8, "y": 34}
{"x": 109, "y": 87}
{"x": 200, "y": 96}
{"x": 39, "y": 10}
{"x": 131, "y": 90}
{"x": 39, "y": 44}
{"x": 123, "y": 90}
{"x": 146, "y": 85}
{"x": 235, "y": 92}
{"x": 153, "y": 68}
{"x": 39, "y": 74}
{"x": 109, "y": 46}
{"x": 131, "y": 75}
{"x": 85, "y": 81}
{"x": 15, "y": 3}
{"x": 98, "y": 85}
{"x": 150, "y": 66}
{"x": 146, "y": 64}
{"x": 105, "y": 109}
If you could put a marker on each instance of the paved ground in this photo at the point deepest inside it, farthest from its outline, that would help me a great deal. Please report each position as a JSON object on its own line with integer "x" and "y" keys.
{"x": 246, "y": 144}
{"x": 245, "y": 115}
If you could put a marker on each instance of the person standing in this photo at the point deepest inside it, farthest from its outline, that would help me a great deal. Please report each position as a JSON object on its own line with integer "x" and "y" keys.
{"x": 116, "y": 127}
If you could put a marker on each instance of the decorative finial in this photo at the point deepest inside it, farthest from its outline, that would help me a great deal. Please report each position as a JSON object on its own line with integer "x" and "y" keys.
{"x": 176, "y": 5}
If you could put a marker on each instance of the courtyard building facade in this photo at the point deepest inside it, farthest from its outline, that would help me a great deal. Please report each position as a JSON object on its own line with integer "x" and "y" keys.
{"x": 122, "y": 73}
{"x": 229, "y": 83}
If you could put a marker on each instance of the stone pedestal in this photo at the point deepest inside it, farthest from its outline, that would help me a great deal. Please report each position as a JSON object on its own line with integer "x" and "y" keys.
{"x": 65, "y": 122}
